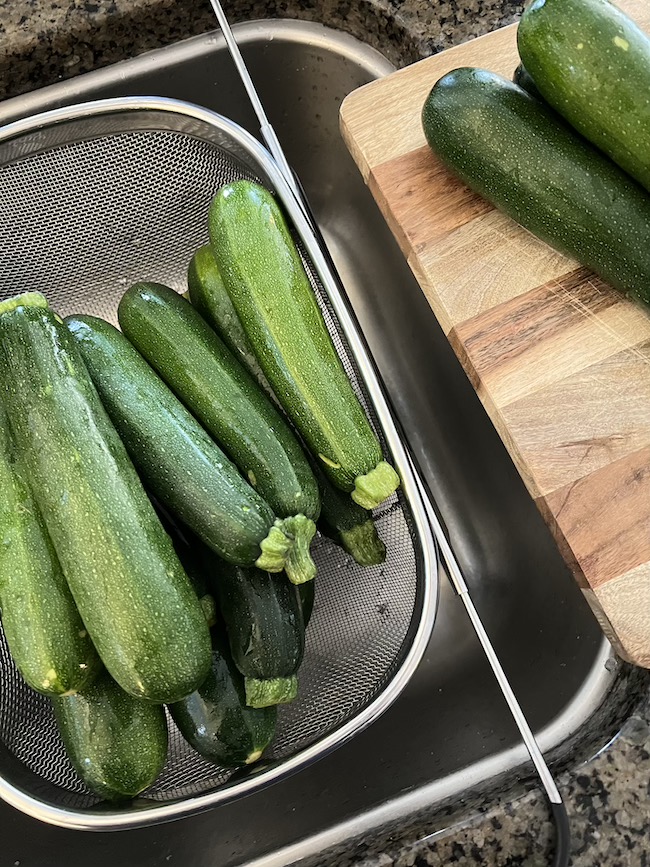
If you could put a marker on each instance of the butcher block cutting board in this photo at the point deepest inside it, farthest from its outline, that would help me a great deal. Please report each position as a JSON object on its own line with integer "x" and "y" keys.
{"x": 560, "y": 360}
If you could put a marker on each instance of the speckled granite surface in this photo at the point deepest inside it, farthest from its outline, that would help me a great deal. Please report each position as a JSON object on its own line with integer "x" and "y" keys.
{"x": 44, "y": 41}
{"x": 603, "y": 774}
{"x": 607, "y": 793}
{"x": 607, "y": 800}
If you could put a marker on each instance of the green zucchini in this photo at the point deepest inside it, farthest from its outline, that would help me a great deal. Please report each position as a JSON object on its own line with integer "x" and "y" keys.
{"x": 341, "y": 518}
{"x": 209, "y": 608}
{"x": 228, "y": 402}
{"x": 176, "y": 459}
{"x": 46, "y": 636}
{"x": 116, "y": 743}
{"x": 133, "y": 596}
{"x": 208, "y": 295}
{"x": 524, "y": 79}
{"x": 270, "y": 290}
{"x": 215, "y": 719}
{"x": 516, "y": 153}
{"x": 265, "y": 618}
{"x": 266, "y": 632}
{"x": 348, "y": 524}
{"x": 591, "y": 63}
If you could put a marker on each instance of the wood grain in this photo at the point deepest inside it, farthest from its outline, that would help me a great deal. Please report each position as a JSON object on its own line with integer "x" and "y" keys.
{"x": 560, "y": 360}
{"x": 605, "y": 517}
{"x": 408, "y": 193}
{"x": 506, "y": 263}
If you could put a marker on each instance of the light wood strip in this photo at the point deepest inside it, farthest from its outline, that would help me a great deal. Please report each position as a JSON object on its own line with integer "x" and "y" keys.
{"x": 381, "y": 120}
{"x": 625, "y": 601}
{"x": 584, "y": 421}
{"x": 483, "y": 264}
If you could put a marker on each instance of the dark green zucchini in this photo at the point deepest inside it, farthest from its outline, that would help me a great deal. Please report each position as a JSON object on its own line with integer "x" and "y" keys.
{"x": 177, "y": 460}
{"x": 215, "y": 719}
{"x": 266, "y": 632}
{"x": 208, "y": 295}
{"x": 267, "y": 283}
{"x": 191, "y": 554}
{"x": 265, "y": 618}
{"x": 116, "y": 743}
{"x": 341, "y": 518}
{"x": 228, "y": 402}
{"x": 133, "y": 596}
{"x": 591, "y": 63}
{"x": 45, "y": 633}
{"x": 348, "y": 524}
{"x": 514, "y": 151}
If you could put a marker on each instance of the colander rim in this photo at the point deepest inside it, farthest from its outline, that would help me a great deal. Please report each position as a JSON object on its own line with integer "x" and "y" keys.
{"x": 146, "y": 812}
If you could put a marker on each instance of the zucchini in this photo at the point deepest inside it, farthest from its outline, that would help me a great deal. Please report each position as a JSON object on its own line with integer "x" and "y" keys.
{"x": 116, "y": 743}
{"x": 270, "y": 290}
{"x": 348, "y": 524}
{"x": 591, "y": 63}
{"x": 133, "y": 596}
{"x": 176, "y": 459}
{"x": 524, "y": 79}
{"x": 266, "y": 632}
{"x": 208, "y": 295}
{"x": 209, "y": 608}
{"x": 215, "y": 719}
{"x": 46, "y": 636}
{"x": 265, "y": 619}
{"x": 341, "y": 518}
{"x": 514, "y": 151}
{"x": 228, "y": 402}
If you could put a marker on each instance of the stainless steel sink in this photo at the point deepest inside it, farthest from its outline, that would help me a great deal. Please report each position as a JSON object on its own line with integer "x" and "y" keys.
{"x": 450, "y": 730}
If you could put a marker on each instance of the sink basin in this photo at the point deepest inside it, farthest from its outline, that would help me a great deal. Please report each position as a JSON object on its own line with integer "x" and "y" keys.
{"x": 450, "y": 730}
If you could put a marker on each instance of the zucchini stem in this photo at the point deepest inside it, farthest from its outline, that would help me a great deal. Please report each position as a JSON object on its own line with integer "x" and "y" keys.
{"x": 275, "y": 548}
{"x": 363, "y": 544}
{"x": 287, "y": 547}
{"x": 376, "y": 486}
{"x": 276, "y": 690}
{"x": 299, "y": 565}
{"x": 27, "y": 299}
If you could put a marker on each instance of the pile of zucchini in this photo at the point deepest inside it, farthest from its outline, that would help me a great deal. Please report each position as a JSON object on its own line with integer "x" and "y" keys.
{"x": 564, "y": 149}
{"x": 161, "y": 486}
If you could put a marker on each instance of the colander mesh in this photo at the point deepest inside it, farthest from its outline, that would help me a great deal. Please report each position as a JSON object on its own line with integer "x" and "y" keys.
{"x": 81, "y": 222}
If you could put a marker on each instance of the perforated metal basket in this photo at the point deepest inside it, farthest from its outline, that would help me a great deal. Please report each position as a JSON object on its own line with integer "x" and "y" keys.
{"x": 95, "y": 197}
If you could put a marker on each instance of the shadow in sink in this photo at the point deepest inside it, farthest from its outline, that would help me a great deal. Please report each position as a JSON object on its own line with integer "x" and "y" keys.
{"x": 450, "y": 729}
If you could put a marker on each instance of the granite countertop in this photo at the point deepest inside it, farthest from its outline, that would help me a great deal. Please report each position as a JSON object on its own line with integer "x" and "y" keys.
{"x": 607, "y": 802}
{"x": 48, "y": 40}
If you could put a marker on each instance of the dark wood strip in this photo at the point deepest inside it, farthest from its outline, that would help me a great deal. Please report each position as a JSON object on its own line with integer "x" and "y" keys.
{"x": 602, "y": 522}
{"x": 422, "y": 200}
{"x": 507, "y": 332}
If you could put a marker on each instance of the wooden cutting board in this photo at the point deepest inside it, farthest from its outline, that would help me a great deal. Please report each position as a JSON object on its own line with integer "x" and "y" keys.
{"x": 560, "y": 360}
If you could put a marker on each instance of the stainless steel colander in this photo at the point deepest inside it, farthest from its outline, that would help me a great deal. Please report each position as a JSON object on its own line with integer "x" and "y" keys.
{"x": 93, "y": 198}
